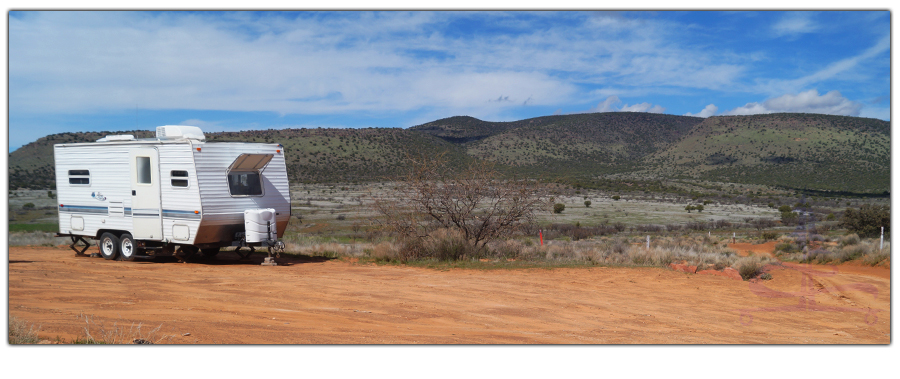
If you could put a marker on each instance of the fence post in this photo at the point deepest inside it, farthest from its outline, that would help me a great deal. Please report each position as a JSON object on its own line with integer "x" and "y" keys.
{"x": 882, "y": 240}
{"x": 648, "y": 242}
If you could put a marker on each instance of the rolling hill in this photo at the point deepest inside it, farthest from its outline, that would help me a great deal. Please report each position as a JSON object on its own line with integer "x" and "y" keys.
{"x": 799, "y": 151}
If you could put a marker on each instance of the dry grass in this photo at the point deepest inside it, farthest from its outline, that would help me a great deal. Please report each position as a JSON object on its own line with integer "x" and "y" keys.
{"x": 849, "y": 248}
{"x": 99, "y": 333}
{"x": 704, "y": 252}
{"x": 21, "y": 332}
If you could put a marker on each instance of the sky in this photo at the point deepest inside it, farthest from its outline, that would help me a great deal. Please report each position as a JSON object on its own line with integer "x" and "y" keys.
{"x": 228, "y": 71}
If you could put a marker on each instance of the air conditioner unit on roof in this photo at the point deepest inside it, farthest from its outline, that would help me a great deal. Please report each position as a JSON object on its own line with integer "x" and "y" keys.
{"x": 179, "y": 132}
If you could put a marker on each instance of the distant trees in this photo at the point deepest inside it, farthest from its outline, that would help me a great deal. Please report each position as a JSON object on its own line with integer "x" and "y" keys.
{"x": 867, "y": 220}
{"x": 698, "y": 208}
{"x": 559, "y": 208}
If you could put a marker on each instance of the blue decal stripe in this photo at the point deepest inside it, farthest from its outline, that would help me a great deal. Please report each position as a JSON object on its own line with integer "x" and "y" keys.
{"x": 175, "y": 213}
{"x": 82, "y": 209}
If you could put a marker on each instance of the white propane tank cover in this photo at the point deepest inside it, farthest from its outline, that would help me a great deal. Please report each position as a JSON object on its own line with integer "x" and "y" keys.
{"x": 255, "y": 221}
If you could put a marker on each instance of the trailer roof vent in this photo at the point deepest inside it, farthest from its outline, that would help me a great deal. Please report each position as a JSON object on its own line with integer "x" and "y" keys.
{"x": 118, "y": 137}
{"x": 170, "y": 132}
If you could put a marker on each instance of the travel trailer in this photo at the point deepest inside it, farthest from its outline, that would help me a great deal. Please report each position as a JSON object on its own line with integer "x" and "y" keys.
{"x": 174, "y": 193}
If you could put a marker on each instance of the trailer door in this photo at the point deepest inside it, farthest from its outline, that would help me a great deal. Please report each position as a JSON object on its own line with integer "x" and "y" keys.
{"x": 145, "y": 205}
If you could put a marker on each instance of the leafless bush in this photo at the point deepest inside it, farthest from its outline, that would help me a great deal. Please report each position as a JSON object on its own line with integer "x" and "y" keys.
{"x": 697, "y": 225}
{"x": 475, "y": 202}
{"x": 762, "y": 223}
{"x": 649, "y": 228}
{"x": 721, "y": 224}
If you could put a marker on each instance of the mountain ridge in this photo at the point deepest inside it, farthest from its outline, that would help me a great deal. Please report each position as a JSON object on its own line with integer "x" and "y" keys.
{"x": 793, "y": 150}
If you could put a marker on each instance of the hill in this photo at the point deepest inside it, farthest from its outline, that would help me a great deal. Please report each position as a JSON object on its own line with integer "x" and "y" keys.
{"x": 799, "y": 151}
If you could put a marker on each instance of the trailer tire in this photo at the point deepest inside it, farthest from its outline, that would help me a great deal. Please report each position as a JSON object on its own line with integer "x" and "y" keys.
{"x": 210, "y": 252}
{"x": 127, "y": 247}
{"x": 109, "y": 246}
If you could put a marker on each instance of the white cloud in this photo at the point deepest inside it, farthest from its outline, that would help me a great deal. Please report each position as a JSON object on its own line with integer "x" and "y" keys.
{"x": 643, "y": 107}
{"x": 805, "y": 102}
{"x": 371, "y": 62}
{"x": 709, "y": 110}
{"x": 609, "y": 105}
{"x": 794, "y": 23}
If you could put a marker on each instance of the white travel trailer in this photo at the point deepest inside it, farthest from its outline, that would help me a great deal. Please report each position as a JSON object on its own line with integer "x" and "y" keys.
{"x": 147, "y": 197}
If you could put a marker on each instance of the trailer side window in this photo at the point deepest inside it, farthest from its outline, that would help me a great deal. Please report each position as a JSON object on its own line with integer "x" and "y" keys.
{"x": 242, "y": 183}
{"x": 179, "y": 178}
{"x": 82, "y": 177}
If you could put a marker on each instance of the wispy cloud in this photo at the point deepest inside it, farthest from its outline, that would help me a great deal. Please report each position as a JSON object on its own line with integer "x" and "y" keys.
{"x": 833, "y": 71}
{"x": 351, "y": 67}
{"x": 298, "y": 63}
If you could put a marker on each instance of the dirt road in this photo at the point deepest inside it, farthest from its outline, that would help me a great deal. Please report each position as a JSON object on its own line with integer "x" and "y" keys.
{"x": 226, "y": 301}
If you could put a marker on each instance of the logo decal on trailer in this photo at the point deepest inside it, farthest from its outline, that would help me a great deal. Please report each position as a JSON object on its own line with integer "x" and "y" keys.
{"x": 98, "y": 196}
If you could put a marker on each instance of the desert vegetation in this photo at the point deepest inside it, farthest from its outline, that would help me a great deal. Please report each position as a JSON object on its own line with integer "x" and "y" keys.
{"x": 94, "y": 332}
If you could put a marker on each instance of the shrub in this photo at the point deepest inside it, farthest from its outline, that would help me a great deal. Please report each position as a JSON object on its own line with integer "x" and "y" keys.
{"x": 850, "y": 239}
{"x": 559, "y": 208}
{"x": 587, "y": 203}
{"x": 616, "y": 197}
{"x": 785, "y": 208}
{"x": 28, "y": 206}
{"x": 789, "y": 218}
{"x": 786, "y": 247}
{"x": 749, "y": 268}
{"x": 768, "y": 236}
{"x": 868, "y": 220}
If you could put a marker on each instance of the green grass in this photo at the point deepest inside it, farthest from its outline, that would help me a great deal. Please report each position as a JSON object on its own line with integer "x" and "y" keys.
{"x": 42, "y": 227}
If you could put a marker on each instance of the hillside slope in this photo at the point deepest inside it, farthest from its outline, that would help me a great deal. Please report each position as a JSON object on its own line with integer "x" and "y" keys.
{"x": 801, "y": 151}
{"x": 804, "y": 151}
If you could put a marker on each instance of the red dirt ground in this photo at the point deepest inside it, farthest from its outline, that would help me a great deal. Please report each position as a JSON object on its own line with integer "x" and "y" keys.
{"x": 226, "y": 301}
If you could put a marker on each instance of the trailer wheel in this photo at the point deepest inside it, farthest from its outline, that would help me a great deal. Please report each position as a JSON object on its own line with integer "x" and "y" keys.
{"x": 210, "y": 252}
{"x": 109, "y": 246}
{"x": 127, "y": 247}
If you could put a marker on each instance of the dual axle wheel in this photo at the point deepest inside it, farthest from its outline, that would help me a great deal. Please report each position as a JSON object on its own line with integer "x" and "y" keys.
{"x": 122, "y": 247}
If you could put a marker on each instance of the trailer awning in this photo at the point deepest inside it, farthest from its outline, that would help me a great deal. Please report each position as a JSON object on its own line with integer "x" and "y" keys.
{"x": 250, "y": 162}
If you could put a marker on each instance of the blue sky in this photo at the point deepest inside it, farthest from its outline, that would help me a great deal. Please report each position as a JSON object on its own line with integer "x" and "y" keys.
{"x": 96, "y": 71}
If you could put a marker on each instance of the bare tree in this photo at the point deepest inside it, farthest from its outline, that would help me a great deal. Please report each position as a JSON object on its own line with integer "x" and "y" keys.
{"x": 475, "y": 201}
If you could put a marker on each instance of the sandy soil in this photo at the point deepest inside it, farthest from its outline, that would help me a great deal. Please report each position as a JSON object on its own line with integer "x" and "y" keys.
{"x": 225, "y": 301}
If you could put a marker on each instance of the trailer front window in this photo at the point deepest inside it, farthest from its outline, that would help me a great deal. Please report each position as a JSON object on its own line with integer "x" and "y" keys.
{"x": 179, "y": 178}
{"x": 244, "y": 183}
